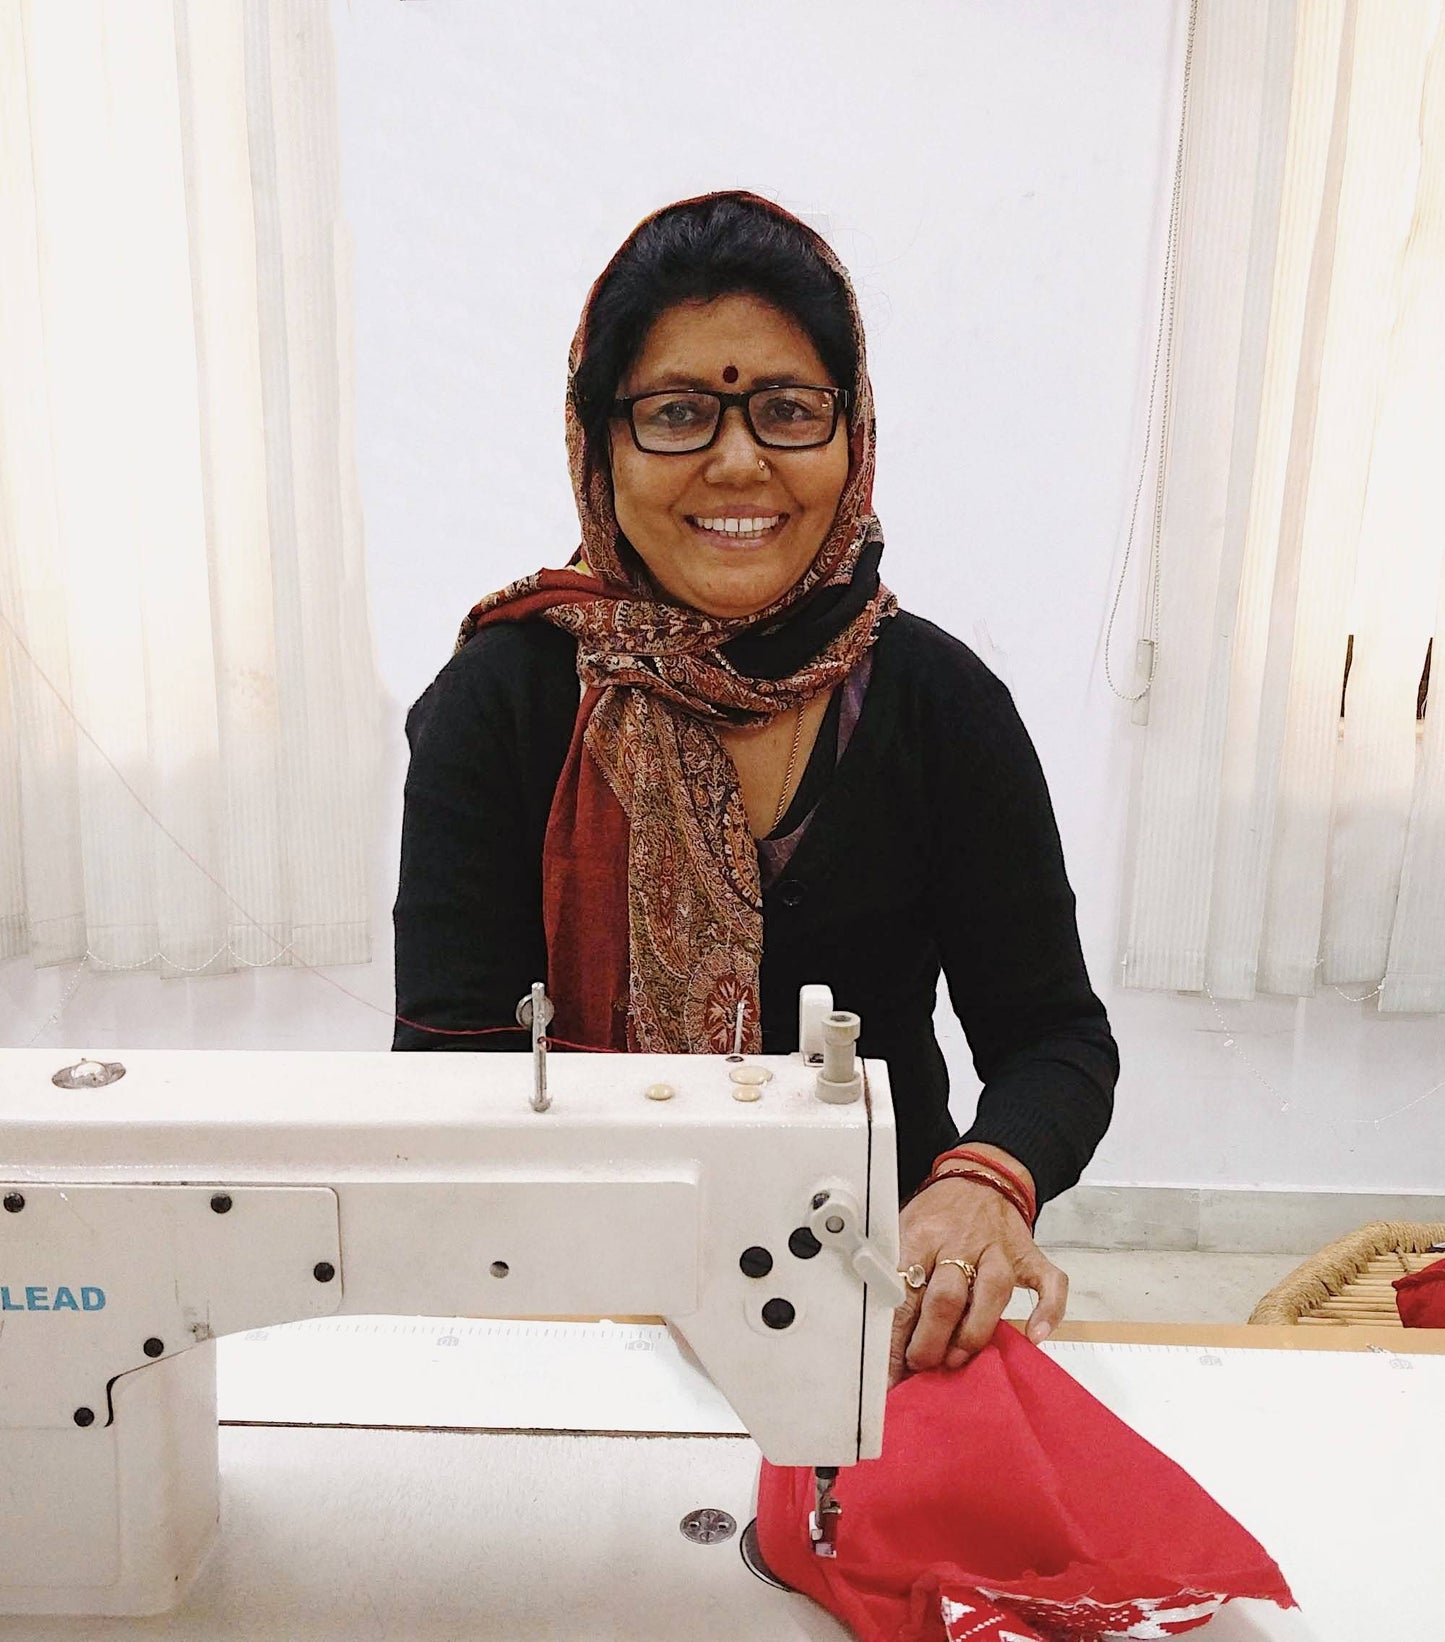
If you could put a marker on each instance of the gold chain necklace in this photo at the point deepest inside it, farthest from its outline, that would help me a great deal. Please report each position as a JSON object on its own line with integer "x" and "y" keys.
{"x": 792, "y": 764}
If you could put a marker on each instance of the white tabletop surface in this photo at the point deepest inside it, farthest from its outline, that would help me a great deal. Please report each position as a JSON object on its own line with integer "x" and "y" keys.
{"x": 343, "y": 1525}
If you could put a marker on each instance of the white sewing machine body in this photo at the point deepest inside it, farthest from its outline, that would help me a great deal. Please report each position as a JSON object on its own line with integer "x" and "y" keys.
{"x": 204, "y": 1193}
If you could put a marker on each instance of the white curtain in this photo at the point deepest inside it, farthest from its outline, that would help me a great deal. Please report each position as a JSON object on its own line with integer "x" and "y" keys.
{"x": 1279, "y": 843}
{"x": 187, "y": 683}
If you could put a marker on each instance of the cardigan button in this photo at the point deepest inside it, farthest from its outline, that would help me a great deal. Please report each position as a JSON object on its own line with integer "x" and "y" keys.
{"x": 791, "y": 892}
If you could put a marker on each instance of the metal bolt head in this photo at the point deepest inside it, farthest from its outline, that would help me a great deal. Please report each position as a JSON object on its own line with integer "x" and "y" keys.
{"x": 323, "y": 1271}
{"x": 14, "y": 1202}
{"x": 221, "y": 1203}
{"x": 524, "y": 1010}
{"x": 88, "y": 1074}
{"x": 154, "y": 1347}
{"x": 708, "y": 1526}
{"x": 499, "y": 1268}
{"x": 84, "y": 1416}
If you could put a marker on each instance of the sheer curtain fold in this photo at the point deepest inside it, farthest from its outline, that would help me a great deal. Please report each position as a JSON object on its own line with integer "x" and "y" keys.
{"x": 188, "y": 751}
{"x": 1281, "y": 842}
{"x": 1415, "y": 974}
{"x": 1229, "y": 178}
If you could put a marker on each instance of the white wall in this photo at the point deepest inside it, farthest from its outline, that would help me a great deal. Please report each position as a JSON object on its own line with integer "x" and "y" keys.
{"x": 996, "y": 177}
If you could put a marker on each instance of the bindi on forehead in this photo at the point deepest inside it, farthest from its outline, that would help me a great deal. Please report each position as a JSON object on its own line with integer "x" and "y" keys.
{"x": 730, "y": 373}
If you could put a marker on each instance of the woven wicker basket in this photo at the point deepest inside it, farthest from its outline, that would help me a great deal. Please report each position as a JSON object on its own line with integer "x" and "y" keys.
{"x": 1350, "y": 1281}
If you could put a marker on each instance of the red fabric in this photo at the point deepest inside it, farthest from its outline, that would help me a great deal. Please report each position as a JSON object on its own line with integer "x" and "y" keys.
{"x": 1420, "y": 1297}
{"x": 1010, "y": 1504}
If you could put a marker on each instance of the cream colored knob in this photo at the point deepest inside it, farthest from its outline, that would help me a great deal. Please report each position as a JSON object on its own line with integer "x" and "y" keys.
{"x": 659, "y": 1091}
{"x": 755, "y": 1075}
{"x": 840, "y": 1080}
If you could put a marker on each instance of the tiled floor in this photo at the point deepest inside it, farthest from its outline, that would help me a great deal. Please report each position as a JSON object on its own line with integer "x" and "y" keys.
{"x": 1108, "y": 1285}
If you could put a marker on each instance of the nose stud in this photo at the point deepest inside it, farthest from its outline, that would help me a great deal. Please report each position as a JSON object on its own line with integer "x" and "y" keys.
{"x": 762, "y": 466}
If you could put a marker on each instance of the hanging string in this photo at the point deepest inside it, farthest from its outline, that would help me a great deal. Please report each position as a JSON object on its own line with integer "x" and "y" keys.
{"x": 53, "y": 1018}
{"x": 89, "y": 962}
{"x": 1231, "y": 1042}
{"x": 1163, "y": 352}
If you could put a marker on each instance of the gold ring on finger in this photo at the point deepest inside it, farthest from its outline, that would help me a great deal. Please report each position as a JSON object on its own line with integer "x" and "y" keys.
{"x": 967, "y": 1267}
{"x": 915, "y": 1277}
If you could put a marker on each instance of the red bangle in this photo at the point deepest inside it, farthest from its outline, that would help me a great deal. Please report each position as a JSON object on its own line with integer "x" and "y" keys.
{"x": 966, "y": 1154}
{"x": 979, "y": 1177}
{"x": 1006, "y": 1192}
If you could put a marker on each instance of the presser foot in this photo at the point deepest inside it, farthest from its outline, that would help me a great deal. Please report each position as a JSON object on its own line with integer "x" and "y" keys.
{"x": 827, "y": 1514}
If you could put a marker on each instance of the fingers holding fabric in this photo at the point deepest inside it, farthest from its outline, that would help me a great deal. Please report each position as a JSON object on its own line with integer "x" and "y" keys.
{"x": 945, "y": 1301}
{"x": 905, "y": 1318}
{"x": 975, "y": 1249}
{"x": 992, "y": 1291}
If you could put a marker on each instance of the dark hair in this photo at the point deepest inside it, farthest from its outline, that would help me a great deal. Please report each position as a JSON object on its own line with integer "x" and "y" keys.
{"x": 708, "y": 248}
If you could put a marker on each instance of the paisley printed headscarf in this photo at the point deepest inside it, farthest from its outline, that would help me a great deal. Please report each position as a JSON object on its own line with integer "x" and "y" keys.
{"x": 652, "y": 903}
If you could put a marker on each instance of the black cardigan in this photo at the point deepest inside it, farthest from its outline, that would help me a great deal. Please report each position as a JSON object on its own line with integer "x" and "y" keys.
{"x": 933, "y": 844}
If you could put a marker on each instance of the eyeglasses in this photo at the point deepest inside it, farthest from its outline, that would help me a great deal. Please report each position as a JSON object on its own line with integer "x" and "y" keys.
{"x": 685, "y": 420}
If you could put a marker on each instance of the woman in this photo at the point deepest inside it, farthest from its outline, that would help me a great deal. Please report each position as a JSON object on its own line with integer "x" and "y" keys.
{"x": 774, "y": 776}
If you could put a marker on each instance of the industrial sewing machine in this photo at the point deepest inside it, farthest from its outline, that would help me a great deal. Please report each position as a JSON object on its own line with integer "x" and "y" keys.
{"x": 156, "y": 1203}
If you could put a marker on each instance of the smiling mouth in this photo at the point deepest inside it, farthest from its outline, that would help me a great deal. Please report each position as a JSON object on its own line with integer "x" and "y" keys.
{"x": 755, "y": 528}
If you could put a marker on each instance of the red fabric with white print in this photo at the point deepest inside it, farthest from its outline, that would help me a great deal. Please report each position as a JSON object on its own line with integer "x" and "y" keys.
{"x": 1011, "y": 1506}
{"x": 972, "y": 1617}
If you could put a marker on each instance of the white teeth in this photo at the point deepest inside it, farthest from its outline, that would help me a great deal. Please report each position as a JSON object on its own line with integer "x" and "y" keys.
{"x": 740, "y": 527}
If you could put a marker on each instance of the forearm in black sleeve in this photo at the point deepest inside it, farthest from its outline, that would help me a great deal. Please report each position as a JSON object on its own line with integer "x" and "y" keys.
{"x": 468, "y": 914}
{"x": 1009, "y": 942}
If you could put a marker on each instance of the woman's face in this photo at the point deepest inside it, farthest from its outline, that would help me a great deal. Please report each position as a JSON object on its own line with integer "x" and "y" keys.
{"x": 666, "y": 504}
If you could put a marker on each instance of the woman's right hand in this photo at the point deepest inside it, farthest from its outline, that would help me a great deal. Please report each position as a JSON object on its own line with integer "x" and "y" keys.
{"x": 944, "y": 1323}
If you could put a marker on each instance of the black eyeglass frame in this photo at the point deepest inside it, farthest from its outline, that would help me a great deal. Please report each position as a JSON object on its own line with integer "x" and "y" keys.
{"x": 842, "y": 398}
